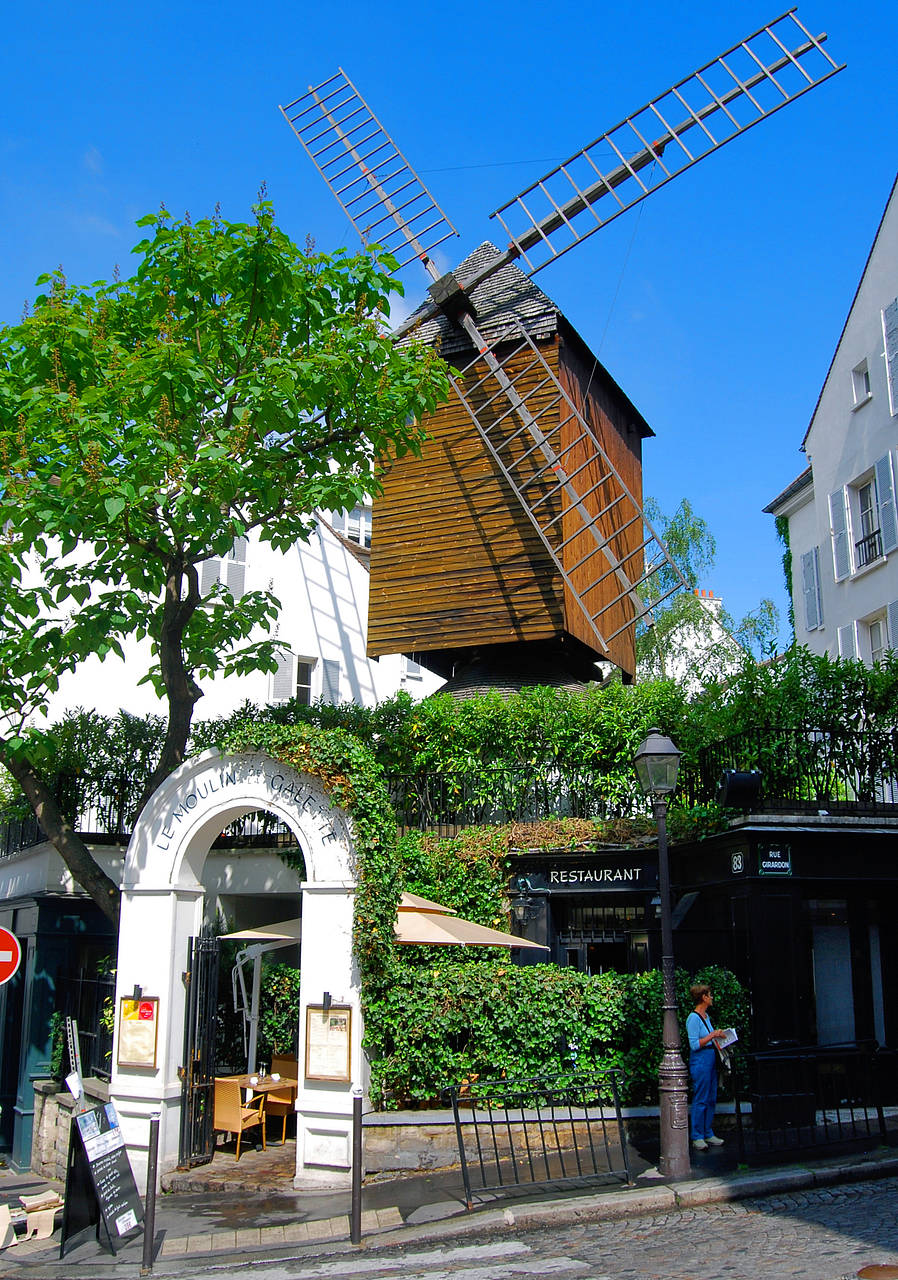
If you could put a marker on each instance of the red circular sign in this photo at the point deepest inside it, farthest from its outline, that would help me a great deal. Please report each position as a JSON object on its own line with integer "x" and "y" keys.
{"x": 10, "y": 955}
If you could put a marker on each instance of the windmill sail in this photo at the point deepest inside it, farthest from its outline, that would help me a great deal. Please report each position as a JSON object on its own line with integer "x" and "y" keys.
{"x": 698, "y": 115}
{"x": 376, "y": 187}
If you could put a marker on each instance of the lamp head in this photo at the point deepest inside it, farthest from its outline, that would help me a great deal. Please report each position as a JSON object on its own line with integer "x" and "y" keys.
{"x": 656, "y": 763}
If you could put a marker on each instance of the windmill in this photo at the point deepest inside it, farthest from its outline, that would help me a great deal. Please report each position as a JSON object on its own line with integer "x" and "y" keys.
{"x": 520, "y": 530}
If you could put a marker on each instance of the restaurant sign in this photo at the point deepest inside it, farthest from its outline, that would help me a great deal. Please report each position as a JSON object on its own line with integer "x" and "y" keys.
{"x": 623, "y": 875}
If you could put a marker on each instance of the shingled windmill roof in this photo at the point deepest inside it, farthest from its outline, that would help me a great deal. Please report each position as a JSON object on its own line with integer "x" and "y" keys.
{"x": 505, "y": 295}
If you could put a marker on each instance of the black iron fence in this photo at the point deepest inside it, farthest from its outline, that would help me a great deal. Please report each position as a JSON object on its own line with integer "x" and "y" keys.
{"x": 540, "y": 1130}
{"x": 816, "y": 1096}
{"x": 803, "y": 772}
{"x": 812, "y": 771}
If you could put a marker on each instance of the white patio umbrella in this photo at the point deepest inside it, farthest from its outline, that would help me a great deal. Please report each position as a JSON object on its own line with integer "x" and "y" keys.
{"x": 419, "y": 921}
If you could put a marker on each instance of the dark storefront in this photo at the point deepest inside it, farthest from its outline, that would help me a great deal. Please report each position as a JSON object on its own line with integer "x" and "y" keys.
{"x": 802, "y": 910}
{"x": 596, "y": 911}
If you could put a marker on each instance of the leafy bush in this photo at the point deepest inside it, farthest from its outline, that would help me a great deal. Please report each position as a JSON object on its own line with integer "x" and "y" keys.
{"x": 461, "y": 1019}
{"x": 278, "y": 1009}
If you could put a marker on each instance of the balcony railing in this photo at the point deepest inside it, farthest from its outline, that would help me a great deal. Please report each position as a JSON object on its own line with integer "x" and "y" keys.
{"x": 868, "y": 549}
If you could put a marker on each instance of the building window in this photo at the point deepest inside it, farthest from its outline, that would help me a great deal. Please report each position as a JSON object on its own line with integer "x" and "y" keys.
{"x": 229, "y": 570}
{"x": 354, "y": 525}
{"x": 869, "y": 546}
{"x": 304, "y": 682}
{"x": 876, "y": 632}
{"x": 860, "y": 383}
{"x": 410, "y": 670}
{"x": 293, "y": 679}
{"x": 862, "y": 519}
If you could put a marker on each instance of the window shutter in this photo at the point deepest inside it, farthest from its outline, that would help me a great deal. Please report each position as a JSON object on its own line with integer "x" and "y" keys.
{"x": 330, "y": 681}
{"x": 236, "y": 579}
{"x": 885, "y": 496}
{"x": 235, "y": 570}
{"x": 282, "y": 688}
{"x": 810, "y": 585}
{"x": 847, "y": 642}
{"x": 209, "y": 571}
{"x": 839, "y": 521}
{"x": 890, "y": 337}
{"x": 892, "y": 611}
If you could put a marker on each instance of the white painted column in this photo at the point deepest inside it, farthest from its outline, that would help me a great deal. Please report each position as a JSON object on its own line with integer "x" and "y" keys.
{"x": 156, "y": 925}
{"x": 324, "y": 1108}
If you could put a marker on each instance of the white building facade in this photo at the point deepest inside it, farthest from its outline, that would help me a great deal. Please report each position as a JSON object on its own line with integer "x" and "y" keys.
{"x": 841, "y": 511}
{"x": 323, "y": 588}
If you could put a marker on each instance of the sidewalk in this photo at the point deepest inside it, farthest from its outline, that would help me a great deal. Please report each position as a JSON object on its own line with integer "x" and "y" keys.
{"x": 274, "y": 1221}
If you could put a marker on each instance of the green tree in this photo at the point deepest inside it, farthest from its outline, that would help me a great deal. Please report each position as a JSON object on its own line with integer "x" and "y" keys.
{"x": 687, "y": 638}
{"x": 233, "y": 383}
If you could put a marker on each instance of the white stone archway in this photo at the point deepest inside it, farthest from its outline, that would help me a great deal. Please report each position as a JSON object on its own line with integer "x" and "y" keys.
{"x": 162, "y": 907}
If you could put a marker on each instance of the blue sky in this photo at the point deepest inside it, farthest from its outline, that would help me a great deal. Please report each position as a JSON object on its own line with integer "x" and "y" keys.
{"x": 716, "y": 307}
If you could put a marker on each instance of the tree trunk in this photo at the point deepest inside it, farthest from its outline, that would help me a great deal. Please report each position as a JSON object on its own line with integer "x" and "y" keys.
{"x": 181, "y": 689}
{"x": 63, "y": 837}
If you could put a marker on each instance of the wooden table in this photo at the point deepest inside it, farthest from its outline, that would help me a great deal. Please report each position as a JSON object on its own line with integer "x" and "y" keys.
{"x": 266, "y": 1084}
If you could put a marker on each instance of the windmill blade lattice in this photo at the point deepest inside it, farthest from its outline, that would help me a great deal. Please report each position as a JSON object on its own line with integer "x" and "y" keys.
{"x": 590, "y": 523}
{"x": 698, "y": 115}
{"x": 376, "y": 187}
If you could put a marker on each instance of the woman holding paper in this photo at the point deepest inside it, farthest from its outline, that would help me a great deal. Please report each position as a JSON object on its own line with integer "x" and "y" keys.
{"x": 703, "y": 1068}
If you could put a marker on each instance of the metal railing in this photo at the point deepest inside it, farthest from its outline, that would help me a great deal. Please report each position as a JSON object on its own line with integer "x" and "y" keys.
{"x": 89, "y": 1001}
{"x": 540, "y": 1130}
{"x": 837, "y": 772}
{"x": 868, "y": 549}
{"x": 816, "y": 1096}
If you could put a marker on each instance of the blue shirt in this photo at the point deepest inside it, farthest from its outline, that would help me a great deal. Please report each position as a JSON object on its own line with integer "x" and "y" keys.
{"x": 696, "y": 1029}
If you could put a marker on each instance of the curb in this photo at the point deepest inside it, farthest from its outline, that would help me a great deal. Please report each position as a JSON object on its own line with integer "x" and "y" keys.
{"x": 330, "y": 1237}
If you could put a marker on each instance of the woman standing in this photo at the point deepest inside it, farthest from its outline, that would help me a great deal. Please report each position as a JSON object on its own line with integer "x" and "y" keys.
{"x": 703, "y": 1068}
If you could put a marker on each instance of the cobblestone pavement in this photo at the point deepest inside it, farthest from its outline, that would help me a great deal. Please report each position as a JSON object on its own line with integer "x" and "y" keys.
{"x": 808, "y": 1235}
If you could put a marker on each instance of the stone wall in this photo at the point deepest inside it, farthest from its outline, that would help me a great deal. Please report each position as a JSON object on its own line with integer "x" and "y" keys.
{"x": 53, "y": 1108}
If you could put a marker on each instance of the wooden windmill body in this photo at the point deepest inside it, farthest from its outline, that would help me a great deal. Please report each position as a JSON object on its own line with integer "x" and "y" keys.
{"x": 458, "y": 572}
{"x": 519, "y": 538}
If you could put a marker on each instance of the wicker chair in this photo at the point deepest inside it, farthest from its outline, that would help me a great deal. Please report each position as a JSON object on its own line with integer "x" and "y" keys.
{"x": 281, "y": 1102}
{"x": 232, "y": 1114}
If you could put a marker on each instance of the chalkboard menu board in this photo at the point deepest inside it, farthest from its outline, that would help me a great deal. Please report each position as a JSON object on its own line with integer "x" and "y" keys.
{"x": 101, "y": 1195}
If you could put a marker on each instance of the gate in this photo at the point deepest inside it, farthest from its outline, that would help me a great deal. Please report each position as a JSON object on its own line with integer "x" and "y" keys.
{"x": 539, "y": 1130}
{"x": 816, "y": 1096}
{"x": 197, "y": 1142}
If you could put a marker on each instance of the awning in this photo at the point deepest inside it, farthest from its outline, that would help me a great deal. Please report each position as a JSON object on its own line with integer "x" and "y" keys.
{"x": 436, "y": 929}
{"x": 285, "y": 931}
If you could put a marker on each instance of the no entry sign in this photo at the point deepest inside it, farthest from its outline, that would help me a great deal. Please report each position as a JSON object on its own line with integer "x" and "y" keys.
{"x": 10, "y": 955}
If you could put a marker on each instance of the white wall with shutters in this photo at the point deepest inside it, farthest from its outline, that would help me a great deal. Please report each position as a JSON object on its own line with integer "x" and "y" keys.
{"x": 890, "y": 339}
{"x": 323, "y": 589}
{"x": 810, "y": 582}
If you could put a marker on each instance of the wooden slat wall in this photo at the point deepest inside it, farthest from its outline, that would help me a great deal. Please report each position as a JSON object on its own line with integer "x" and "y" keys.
{"x": 608, "y": 416}
{"x": 455, "y": 561}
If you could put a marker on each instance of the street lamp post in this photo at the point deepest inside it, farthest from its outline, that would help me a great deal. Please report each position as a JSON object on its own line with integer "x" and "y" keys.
{"x": 656, "y": 764}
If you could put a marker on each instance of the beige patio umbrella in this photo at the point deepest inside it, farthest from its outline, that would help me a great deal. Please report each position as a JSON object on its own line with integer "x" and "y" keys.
{"x": 419, "y": 921}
